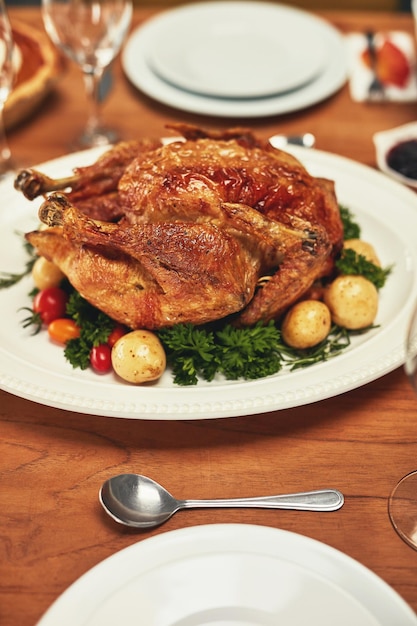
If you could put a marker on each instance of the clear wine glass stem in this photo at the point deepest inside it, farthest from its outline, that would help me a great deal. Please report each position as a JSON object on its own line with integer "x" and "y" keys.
{"x": 92, "y": 84}
{"x": 402, "y": 503}
{"x": 90, "y": 33}
{"x": 95, "y": 132}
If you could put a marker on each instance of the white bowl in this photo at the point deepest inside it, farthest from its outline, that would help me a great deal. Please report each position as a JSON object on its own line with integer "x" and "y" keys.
{"x": 387, "y": 139}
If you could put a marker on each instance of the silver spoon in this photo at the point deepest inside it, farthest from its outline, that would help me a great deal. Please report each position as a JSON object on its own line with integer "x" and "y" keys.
{"x": 138, "y": 501}
{"x": 307, "y": 140}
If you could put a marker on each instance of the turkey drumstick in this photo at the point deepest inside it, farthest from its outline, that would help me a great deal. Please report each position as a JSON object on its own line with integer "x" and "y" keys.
{"x": 93, "y": 180}
{"x": 33, "y": 183}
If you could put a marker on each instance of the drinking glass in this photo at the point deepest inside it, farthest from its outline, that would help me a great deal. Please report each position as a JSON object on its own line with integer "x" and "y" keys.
{"x": 7, "y": 74}
{"x": 402, "y": 503}
{"x": 90, "y": 33}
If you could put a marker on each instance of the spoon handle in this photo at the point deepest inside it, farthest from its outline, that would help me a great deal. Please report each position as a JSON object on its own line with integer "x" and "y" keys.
{"x": 321, "y": 500}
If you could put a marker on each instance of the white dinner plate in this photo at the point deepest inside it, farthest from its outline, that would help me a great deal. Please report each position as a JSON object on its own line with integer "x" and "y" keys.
{"x": 331, "y": 78}
{"x": 236, "y": 50}
{"x": 229, "y": 575}
{"x": 34, "y": 368}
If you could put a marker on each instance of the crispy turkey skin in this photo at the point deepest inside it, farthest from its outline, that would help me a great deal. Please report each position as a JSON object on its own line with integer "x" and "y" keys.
{"x": 183, "y": 232}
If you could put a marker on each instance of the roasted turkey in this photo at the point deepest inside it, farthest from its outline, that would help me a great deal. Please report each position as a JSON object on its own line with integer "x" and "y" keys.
{"x": 204, "y": 227}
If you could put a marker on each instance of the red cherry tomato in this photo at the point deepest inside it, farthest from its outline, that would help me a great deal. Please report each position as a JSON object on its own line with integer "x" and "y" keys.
{"x": 63, "y": 329}
{"x": 100, "y": 358}
{"x": 50, "y": 303}
{"x": 117, "y": 332}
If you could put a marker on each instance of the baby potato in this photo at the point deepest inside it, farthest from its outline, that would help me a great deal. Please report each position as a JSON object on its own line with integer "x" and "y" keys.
{"x": 353, "y": 301}
{"x": 306, "y": 324}
{"x": 46, "y": 274}
{"x": 364, "y": 248}
{"x": 138, "y": 357}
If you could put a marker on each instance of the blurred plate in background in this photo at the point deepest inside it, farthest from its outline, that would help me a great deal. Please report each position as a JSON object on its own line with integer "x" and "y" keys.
{"x": 329, "y": 79}
{"x": 236, "y": 50}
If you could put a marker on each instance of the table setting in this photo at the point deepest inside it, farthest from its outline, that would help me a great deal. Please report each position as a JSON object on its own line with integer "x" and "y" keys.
{"x": 226, "y": 501}
{"x": 310, "y": 72}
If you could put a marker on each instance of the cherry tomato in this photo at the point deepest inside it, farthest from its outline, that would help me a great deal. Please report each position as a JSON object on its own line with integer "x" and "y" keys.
{"x": 50, "y": 303}
{"x": 117, "y": 332}
{"x": 63, "y": 329}
{"x": 100, "y": 358}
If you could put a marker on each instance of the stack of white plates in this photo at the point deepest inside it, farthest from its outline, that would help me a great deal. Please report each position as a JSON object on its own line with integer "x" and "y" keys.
{"x": 236, "y": 59}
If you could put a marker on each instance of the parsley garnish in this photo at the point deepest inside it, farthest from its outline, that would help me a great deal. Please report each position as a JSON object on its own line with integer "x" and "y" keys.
{"x": 249, "y": 353}
{"x": 351, "y": 262}
{"x": 239, "y": 353}
{"x": 95, "y": 328}
{"x": 351, "y": 230}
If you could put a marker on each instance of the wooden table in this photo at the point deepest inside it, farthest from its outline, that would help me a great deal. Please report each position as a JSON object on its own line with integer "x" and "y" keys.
{"x": 53, "y": 462}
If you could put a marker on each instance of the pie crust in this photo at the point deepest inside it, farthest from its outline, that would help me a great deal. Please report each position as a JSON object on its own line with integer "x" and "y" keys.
{"x": 38, "y": 70}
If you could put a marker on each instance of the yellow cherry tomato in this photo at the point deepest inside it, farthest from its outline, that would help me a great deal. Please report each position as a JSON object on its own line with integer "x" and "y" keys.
{"x": 62, "y": 330}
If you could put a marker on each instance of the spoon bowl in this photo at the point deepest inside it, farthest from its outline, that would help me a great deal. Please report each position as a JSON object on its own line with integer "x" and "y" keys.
{"x": 140, "y": 502}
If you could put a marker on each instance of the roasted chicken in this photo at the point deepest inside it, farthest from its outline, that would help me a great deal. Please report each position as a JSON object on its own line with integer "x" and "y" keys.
{"x": 202, "y": 228}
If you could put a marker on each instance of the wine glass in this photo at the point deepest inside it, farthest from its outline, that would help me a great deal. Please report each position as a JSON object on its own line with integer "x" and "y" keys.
{"x": 402, "y": 503}
{"x": 91, "y": 33}
{"x": 7, "y": 74}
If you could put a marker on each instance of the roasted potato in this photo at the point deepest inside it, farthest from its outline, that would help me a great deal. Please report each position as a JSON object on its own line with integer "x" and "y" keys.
{"x": 364, "y": 248}
{"x": 306, "y": 324}
{"x": 46, "y": 274}
{"x": 353, "y": 301}
{"x": 138, "y": 357}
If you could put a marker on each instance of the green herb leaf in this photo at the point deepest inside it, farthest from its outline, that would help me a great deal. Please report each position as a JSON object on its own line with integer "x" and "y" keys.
{"x": 351, "y": 230}
{"x": 336, "y": 342}
{"x": 190, "y": 352}
{"x": 9, "y": 279}
{"x": 248, "y": 353}
{"x": 95, "y": 328}
{"x": 33, "y": 319}
{"x": 351, "y": 262}
{"x": 239, "y": 353}
{"x": 77, "y": 352}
